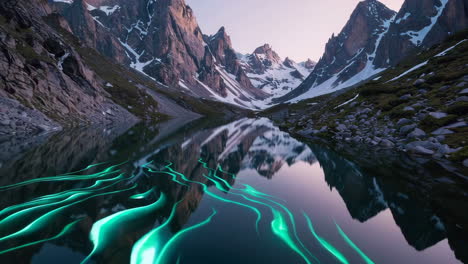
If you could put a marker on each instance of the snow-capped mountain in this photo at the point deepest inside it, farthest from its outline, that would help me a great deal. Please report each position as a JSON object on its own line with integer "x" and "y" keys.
{"x": 270, "y": 73}
{"x": 376, "y": 38}
{"x": 349, "y": 56}
{"x": 162, "y": 40}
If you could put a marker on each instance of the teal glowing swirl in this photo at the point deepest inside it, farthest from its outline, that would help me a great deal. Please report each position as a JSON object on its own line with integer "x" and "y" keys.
{"x": 104, "y": 230}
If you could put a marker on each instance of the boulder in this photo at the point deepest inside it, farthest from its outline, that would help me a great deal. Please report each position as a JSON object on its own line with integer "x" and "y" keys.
{"x": 405, "y": 97}
{"x": 418, "y": 82}
{"x": 438, "y": 115}
{"x": 406, "y": 129}
{"x": 403, "y": 122}
{"x": 465, "y": 163}
{"x": 417, "y": 133}
{"x": 442, "y": 131}
{"x": 422, "y": 150}
{"x": 464, "y": 91}
{"x": 387, "y": 143}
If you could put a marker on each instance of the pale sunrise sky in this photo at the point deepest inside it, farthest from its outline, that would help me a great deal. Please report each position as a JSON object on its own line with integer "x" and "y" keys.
{"x": 295, "y": 28}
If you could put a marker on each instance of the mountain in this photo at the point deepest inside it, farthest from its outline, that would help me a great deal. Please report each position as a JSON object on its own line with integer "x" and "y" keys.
{"x": 349, "y": 56}
{"x": 162, "y": 39}
{"x": 60, "y": 67}
{"x": 271, "y": 74}
{"x": 376, "y": 38}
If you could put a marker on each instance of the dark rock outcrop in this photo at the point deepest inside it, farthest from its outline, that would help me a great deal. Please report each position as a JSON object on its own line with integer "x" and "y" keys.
{"x": 40, "y": 72}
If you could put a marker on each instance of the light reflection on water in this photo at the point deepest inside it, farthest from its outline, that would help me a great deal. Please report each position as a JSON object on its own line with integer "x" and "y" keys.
{"x": 211, "y": 218}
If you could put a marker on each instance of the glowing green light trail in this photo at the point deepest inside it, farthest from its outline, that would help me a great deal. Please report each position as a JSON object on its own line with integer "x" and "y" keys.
{"x": 207, "y": 191}
{"x": 142, "y": 195}
{"x": 65, "y": 231}
{"x": 72, "y": 196}
{"x": 67, "y": 177}
{"x": 104, "y": 230}
{"x": 146, "y": 248}
{"x": 254, "y": 192}
{"x": 356, "y": 248}
{"x": 325, "y": 244}
{"x": 43, "y": 220}
{"x": 280, "y": 229}
{"x": 162, "y": 256}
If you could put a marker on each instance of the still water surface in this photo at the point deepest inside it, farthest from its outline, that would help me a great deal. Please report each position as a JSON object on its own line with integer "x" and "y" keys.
{"x": 243, "y": 192}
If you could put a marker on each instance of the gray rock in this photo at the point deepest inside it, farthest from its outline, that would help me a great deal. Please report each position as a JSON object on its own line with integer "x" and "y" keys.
{"x": 324, "y": 129}
{"x": 444, "y": 88}
{"x": 408, "y": 108}
{"x": 464, "y": 91}
{"x": 465, "y": 163}
{"x": 438, "y": 115}
{"x": 405, "y": 97}
{"x": 462, "y": 99}
{"x": 422, "y": 91}
{"x": 442, "y": 131}
{"x": 341, "y": 127}
{"x": 422, "y": 150}
{"x": 461, "y": 85}
{"x": 5, "y": 122}
{"x": 419, "y": 82}
{"x": 440, "y": 138}
{"x": 425, "y": 144}
{"x": 406, "y": 129}
{"x": 403, "y": 121}
{"x": 417, "y": 133}
{"x": 387, "y": 143}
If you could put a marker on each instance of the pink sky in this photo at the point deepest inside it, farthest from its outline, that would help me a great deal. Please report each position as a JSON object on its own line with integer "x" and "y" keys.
{"x": 295, "y": 28}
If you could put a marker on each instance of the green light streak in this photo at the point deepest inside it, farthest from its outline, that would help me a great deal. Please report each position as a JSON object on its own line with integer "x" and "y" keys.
{"x": 62, "y": 233}
{"x": 213, "y": 195}
{"x": 174, "y": 176}
{"x": 43, "y": 220}
{"x": 145, "y": 249}
{"x": 356, "y": 248}
{"x": 67, "y": 177}
{"x": 103, "y": 230}
{"x": 162, "y": 256}
{"x": 280, "y": 229}
{"x": 254, "y": 192}
{"x": 141, "y": 196}
{"x": 72, "y": 195}
{"x": 325, "y": 244}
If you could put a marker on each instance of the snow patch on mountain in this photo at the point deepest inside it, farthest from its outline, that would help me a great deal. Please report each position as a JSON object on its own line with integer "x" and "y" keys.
{"x": 417, "y": 37}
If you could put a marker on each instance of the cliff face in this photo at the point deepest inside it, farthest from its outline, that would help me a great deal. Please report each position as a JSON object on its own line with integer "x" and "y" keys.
{"x": 421, "y": 24}
{"x": 376, "y": 38}
{"x": 162, "y": 39}
{"x": 43, "y": 78}
{"x": 351, "y": 52}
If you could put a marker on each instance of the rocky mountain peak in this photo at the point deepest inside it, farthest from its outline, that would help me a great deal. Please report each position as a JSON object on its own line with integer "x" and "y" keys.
{"x": 309, "y": 64}
{"x": 288, "y": 62}
{"x": 266, "y": 52}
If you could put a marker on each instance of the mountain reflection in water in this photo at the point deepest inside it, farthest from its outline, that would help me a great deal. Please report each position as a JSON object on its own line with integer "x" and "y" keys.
{"x": 244, "y": 192}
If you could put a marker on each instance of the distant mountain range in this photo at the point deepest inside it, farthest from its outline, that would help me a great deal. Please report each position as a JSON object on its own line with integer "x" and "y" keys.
{"x": 103, "y": 61}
